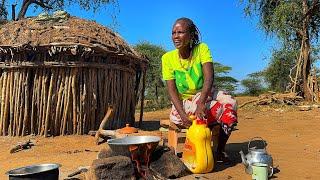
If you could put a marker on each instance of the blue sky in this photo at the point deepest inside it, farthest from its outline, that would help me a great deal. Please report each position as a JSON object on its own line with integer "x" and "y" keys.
{"x": 234, "y": 40}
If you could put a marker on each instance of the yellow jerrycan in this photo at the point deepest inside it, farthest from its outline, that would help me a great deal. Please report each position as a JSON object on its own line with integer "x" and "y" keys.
{"x": 197, "y": 152}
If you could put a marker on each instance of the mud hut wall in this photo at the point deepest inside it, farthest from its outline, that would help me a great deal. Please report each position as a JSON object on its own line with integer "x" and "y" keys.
{"x": 53, "y": 98}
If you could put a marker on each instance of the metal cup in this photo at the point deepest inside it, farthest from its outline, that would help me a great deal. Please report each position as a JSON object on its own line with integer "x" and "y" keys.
{"x": 260, "y": 171}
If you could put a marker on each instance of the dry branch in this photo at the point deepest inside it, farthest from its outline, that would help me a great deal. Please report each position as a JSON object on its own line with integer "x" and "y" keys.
{"x": 275, "y": 98}
{"x": 106, "y": 118}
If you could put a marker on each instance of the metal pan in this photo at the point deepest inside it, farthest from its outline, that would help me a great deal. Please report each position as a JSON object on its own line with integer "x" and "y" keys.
{"x": 133, "y": 140}
{"x": 35, "y": 172}
{"x": 121, "y": 145}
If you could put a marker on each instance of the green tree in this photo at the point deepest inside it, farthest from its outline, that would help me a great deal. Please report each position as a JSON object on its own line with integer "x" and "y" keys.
{"x": 52, "y": 5}
{"x": 3, "y": 11}
{"x": 221, "y": 78}
{"x": 277, "y": 74}
{"x": 253, "y": 84}
{"x": 296, "y": 23}
{"x": 155, "y": 89}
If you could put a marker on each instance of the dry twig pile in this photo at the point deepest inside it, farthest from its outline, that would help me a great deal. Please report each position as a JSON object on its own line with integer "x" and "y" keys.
{"x": 275, "y": 98}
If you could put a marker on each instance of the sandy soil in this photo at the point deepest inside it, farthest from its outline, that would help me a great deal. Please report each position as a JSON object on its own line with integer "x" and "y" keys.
{"x": 293, "y": 141}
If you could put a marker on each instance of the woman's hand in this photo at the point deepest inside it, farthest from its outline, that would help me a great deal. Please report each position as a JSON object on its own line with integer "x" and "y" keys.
{"x": 186, "y": 121}
{"x": 201, "y": 111}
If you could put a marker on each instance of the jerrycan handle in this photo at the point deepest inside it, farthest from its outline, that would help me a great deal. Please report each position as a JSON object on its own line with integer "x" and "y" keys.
{"x": 201, "y": 121}
{"x": 260, "y": 138}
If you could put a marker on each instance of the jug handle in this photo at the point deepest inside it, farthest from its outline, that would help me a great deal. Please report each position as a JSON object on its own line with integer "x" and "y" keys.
{"x": 260, "y": 138}
{"x": 270, "y": 175}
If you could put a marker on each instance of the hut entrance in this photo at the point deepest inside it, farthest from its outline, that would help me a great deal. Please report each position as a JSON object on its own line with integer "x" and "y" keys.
{"x": 58, "y": 77}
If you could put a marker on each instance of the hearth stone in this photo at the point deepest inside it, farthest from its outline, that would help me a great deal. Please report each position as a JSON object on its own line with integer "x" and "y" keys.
{"x": 168, "y": 164}
{"x": 163, "y": 161}
{"x": 113, "y": 168}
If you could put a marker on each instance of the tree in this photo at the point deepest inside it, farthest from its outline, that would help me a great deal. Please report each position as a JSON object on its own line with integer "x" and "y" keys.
{"x": 53, "y": 5}
{"x": 221, "y": 80}
{"x": 3, "y": 11}
{"x": 154, "y": 85}
{"x": 296, "y": 23}
{"x": 253, "y": 84}
{"x": 277, "y": 74}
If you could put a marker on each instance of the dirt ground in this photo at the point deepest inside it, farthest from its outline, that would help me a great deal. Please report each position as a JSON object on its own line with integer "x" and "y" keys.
{"x": 293, "y": 138}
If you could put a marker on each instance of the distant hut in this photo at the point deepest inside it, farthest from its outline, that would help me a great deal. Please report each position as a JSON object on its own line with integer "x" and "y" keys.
{"x": 59, "y": 73}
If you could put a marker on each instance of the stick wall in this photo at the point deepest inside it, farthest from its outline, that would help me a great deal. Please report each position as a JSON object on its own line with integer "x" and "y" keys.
{"x": 50, "y": 99}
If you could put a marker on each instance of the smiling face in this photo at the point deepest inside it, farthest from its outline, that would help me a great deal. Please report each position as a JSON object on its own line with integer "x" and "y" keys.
{"x": 181, "y": 36}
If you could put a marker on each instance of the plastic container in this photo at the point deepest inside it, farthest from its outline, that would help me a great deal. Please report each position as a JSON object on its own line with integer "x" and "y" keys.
{"x": 197, "y": 152}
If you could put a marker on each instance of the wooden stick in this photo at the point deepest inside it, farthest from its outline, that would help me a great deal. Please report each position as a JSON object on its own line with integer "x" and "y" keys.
{"x": 74, "y": 99}
{"x": 100, "y": 90}
{"x": 6, "y": 102}
{"x": 80, "y": 123}
{"x": 33, "y": 101}
{"x": 6, "y": 108}
{"x": 40, "y": 100}
{"x": 49, "y": 104}
{"x": 142, "y": 97}
{"x": 53, "y": 102}
{"x": 85, "y": 97}
{"x": 16, "y": 104}
{"x": 44, "y": 102}
{"x": 106, "y": 118}
{"x": 11, "y": 100}
{"x": 94, "y": 97}
{"x": 90, "y": 100}
{"x": 67, "y": 101}
{"x": 21, "y": 92}
{"x": 60, "y": 85}
{"x": 248, "y": 102}
{"x": 2, "y": 102}
{"x": 26, "y": 104}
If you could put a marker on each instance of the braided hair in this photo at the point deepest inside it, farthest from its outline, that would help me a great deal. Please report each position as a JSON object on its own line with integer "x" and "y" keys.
{"x": 193, "y": 29}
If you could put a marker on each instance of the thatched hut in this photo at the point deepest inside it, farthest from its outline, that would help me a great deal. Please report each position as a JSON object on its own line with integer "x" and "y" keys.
{"x": 58, "y": 75}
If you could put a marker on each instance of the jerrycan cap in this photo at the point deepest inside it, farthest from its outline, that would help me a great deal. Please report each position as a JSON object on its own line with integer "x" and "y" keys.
{"x": 201, "y": 121}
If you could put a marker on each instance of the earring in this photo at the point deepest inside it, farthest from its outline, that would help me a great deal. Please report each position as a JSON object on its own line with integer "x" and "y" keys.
{"x": 191, "y": 44}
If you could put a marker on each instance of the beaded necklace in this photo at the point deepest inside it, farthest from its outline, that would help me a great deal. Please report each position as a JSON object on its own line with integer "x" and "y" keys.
{"x": 188, "y": 60}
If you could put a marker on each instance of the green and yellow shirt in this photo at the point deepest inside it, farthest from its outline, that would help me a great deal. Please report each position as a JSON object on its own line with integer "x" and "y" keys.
{"x": 187, "y": 74}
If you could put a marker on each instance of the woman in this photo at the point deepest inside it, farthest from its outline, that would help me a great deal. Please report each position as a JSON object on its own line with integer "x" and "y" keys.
{"x": 188, "y": 72}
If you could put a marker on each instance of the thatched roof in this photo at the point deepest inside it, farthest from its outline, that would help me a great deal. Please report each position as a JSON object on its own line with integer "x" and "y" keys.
{"x": 69, "y": 32}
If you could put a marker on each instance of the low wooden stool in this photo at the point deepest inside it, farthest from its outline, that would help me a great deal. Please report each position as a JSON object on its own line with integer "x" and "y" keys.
{"x": 174, "y": 134}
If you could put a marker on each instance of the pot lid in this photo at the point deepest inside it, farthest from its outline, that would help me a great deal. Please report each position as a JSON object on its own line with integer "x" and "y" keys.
{"x": 128, "y": 130}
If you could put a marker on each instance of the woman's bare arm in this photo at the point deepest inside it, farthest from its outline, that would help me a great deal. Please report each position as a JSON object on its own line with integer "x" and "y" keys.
{"x": 208, "y": 74}
{"x": 174, "y": 97}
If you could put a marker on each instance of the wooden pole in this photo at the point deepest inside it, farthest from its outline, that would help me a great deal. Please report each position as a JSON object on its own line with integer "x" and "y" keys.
{"x": 142, "y": 96}
{"x": 47, "y": 115}
{"x": 26, "y": 121}
{"x": 74, "y": 99}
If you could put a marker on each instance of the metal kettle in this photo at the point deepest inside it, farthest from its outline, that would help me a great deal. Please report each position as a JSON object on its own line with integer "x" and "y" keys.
{"x": 257, "y": 156}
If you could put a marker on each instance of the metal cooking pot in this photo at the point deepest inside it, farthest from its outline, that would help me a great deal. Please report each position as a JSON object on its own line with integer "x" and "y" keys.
{"x": 121, "y": 145}
{"x": 35, "y": 172}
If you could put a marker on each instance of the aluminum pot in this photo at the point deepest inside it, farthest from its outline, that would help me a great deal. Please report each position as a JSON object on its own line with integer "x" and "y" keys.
{"x": 122, "y": 145}
{"x": 35, "y": 172}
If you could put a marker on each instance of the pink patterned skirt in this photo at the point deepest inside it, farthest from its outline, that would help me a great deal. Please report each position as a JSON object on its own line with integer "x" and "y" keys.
{"x": 221, "y": 108}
